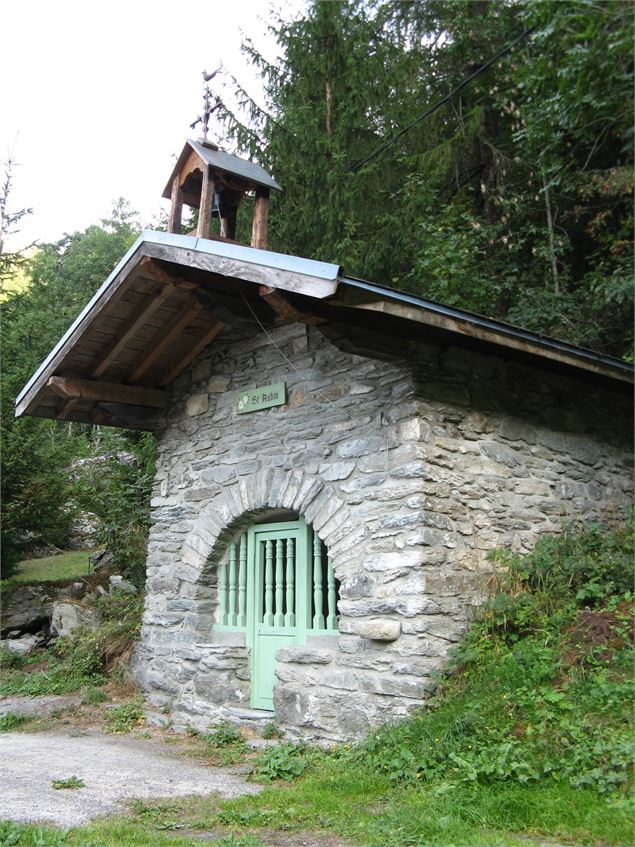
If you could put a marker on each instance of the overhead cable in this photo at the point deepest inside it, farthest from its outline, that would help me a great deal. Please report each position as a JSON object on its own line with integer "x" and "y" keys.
{"x": 431, "y": 109}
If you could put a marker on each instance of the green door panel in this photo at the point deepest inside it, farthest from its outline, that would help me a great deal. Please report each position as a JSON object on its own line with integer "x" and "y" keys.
{"x": 277, "y": 609}
{"x": 278, "y": 587}
{"x": 268, "y": 642}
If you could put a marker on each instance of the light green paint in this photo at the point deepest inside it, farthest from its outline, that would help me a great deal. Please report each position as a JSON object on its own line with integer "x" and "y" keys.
{"x": 272, "y": 588}
{"x": 264, "y": 397}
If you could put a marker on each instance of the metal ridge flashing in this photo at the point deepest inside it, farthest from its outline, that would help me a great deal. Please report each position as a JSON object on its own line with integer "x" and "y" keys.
{"x": 491, "y": 324}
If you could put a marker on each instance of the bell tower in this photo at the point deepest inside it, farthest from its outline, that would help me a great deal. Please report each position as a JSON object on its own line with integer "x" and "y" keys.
{"x": 214, "y": 182}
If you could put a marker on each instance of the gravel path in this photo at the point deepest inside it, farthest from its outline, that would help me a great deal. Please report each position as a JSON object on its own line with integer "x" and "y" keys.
{"x": 113, "y": 769}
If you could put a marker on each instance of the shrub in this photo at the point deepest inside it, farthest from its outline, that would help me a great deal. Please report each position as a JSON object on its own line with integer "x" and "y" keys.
{"x": 225, "y": 735}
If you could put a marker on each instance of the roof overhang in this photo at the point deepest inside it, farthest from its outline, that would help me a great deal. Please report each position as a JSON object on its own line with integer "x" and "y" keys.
{"x": 171, "y": 295}
{"x": 160, "y": 307}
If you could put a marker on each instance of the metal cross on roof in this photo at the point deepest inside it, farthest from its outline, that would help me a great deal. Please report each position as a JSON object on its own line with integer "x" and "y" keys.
{"x": 208, "y": 108}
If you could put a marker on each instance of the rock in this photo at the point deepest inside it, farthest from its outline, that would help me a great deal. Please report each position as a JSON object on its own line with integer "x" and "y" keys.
{"x": 27, "y": 608}
{"x": 22, "y": 645}
{"x": 68, "y": 615}
{"x": 38, "y": 707}
{"x": 380, "y": 630}
{"x": 197, "y": 404}
{"x": 101, "y": 560}
{"x": 84, "y": 531}
{"x": 121, "y": 584}
{"x": 304, "y": 655}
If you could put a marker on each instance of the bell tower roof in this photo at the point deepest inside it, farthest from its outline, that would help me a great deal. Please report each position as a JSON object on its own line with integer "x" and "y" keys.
{"x": 197, "y": 155}
{"x": 215, "y": 182}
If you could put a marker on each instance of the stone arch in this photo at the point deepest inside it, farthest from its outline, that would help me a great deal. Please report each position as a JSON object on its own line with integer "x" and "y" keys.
{"x": 239, "y": 504}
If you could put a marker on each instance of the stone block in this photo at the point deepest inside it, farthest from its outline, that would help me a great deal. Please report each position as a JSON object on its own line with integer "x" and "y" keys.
{"x": 197, "y": 404}
{"x": 357, "y": 447}
{"x": 379, "y": 630}
{"x": 393, "y": 560}
{"x": 301, "y": 655}
{"x": 500, "y": 453}
{"x": 337, "y": 470}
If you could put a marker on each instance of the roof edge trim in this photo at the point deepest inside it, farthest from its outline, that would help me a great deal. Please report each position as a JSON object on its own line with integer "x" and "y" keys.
{"x": 585, "y": 359}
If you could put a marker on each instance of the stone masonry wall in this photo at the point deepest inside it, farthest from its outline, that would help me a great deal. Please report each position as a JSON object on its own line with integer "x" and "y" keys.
{"x": 411, "y": 468}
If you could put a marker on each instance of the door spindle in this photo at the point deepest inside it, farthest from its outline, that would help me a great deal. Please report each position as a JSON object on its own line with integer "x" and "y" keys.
{"x": 279, "y": 617}
{"x": 268, "y": 616}
{"x": 331, "y": 620}
{"x": 318, "y": 617}
{"x": 222, "y": 593}
{"x": 242, "y": 581}
{"x": 231, "y": 615}
{"x": 289, "y": 618}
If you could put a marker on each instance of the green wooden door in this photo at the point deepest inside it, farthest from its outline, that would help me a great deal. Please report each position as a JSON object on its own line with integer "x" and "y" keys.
{"x": 277, "y": 605}
{"x": 277, "y": 586}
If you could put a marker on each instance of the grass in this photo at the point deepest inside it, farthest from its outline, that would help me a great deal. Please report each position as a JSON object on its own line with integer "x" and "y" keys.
{"x": 71, "y": 782}
{"x": 52, "y": 568}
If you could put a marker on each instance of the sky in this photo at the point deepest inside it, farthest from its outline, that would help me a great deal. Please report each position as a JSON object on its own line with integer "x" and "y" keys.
{"x": 97, "y": 98}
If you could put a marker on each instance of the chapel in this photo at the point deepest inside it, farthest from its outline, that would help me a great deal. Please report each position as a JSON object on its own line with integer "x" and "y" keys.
{"x": 337, "y": 461}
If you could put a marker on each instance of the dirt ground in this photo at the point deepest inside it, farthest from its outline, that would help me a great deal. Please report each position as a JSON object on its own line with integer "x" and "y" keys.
{"x": 114, "y": 769}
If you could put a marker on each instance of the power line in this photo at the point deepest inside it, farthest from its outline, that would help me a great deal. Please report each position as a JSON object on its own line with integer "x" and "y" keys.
{"x": 431, "y": 109}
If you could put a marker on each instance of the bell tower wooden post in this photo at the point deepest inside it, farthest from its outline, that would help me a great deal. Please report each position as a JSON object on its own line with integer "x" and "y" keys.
{"x": 204, "y": 229}
{"x": 176, "y": 207}
{"x": 261, "y": 213}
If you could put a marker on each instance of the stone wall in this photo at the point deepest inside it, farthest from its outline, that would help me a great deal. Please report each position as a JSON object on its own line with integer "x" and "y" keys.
{"x": 411, "y": 468}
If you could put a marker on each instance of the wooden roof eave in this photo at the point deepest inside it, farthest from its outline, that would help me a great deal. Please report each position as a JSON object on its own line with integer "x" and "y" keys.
{"x": 272, "y": 270}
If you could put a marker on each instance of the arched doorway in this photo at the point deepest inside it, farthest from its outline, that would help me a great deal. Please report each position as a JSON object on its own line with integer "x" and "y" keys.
{"x": 277, "y": 585}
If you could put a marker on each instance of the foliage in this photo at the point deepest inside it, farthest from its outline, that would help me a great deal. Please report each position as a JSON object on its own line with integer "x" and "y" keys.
{"x": 225, "y": 735}
{"x": 284, "y": 761}
{"x": 85, "y": 658}
{"x": 70, "y": 782}
{"x": 223, "y": 746}
{"x": 10, "y": 722}
{"x": 514, "y": 199}
{"x": 92, "y": 695}
{"x": 124, "y": 717}
{"x": 11, "y": 261}
{"x": 118, "y": 491}
{"x": 11, "y": 659}
{"x": 37, "y": 494}
{"x": 545, "y": 683}
{"x": 271, "y": 730}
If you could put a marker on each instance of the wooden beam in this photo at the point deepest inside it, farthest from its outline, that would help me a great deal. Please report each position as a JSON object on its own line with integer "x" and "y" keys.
{"x": 176, "y": 207}
{"x": 68, "y": 407}
{"x": 140, "y": 319}
{"x": 161, "y": 342}
{"x": 153, "y": 268}
{"x": 458, "y": 327}
{"x": 73, "y": 388}
{"x": 284, "y": 309}
{"x": 200, "y": 345}
{"x": 204, "y": 229}
{"x": 259, "y": 225}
